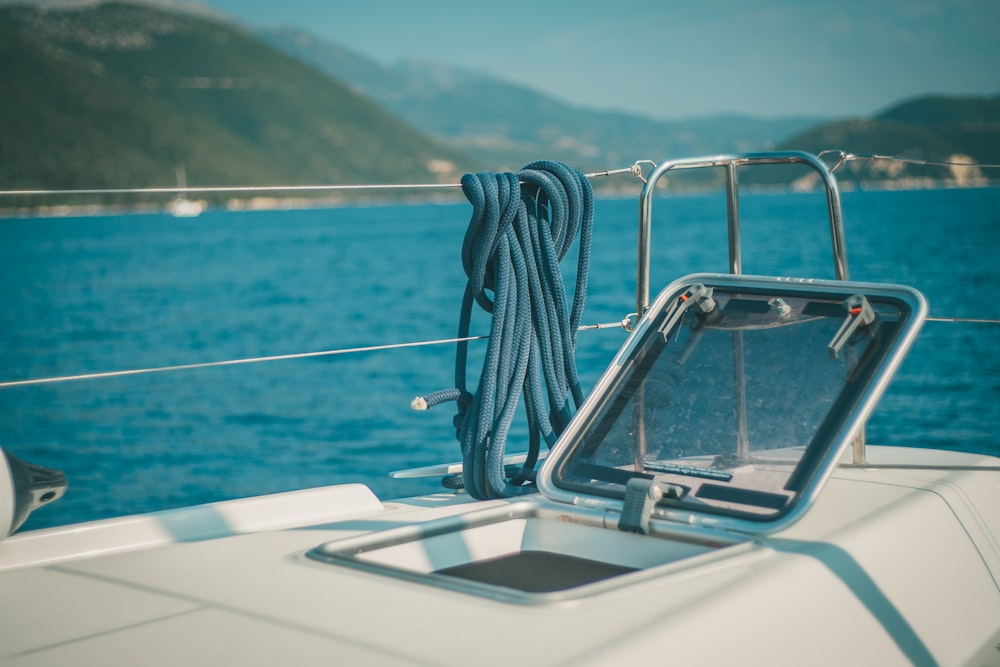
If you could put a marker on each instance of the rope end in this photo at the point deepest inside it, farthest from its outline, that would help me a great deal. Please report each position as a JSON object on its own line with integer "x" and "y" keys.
{"x": 419, "y": 403}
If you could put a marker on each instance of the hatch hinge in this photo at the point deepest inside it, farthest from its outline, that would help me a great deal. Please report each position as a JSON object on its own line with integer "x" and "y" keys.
{"x": 641, "y": 496}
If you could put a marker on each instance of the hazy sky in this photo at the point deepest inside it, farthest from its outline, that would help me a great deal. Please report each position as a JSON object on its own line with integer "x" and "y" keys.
{"x": 677, "y": 59}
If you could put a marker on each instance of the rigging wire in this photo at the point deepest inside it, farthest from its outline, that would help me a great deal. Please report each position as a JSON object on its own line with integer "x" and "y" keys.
{"x": 963, "y": 320}
{"x": 843, "y": 157}
{"x": 228, "y": 362}
{"x": 626, "y": 324}
{"x": 230, "y": 188}
{"x": 262, "y": 359}
{"x": 635, "y": 170}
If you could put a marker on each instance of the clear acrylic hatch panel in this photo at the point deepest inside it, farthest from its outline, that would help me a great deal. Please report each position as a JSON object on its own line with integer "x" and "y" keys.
{"x": 734, "y": 394}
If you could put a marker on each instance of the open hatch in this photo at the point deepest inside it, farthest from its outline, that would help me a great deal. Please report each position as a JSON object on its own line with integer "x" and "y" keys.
{"x": 733, "y": 399}
{"x": 724, "y": 412}
{"x": 720, "y": 418}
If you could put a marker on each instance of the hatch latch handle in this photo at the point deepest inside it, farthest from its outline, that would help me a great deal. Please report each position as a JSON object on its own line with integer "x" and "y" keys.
{"x": 697, "y": 297}
{"x": 859, "y": 314}
{"x": 641, "y": 496}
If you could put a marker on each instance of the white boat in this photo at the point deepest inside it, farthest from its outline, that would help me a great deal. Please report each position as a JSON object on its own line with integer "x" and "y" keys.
{"x": 181, "y": 206}
{"x": 712, "y": 502}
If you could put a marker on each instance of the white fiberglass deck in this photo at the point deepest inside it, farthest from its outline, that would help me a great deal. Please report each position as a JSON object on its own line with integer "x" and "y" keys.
{"x": 891, "y": 566}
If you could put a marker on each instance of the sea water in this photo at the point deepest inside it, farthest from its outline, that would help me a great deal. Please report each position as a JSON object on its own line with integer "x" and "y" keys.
{"x": 105, "y": 293}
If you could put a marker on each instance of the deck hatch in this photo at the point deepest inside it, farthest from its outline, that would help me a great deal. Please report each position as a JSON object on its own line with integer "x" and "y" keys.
{"x": 530, "y": 552}
{"x": 742, "y": 390}
{"x": 721, "y": 417}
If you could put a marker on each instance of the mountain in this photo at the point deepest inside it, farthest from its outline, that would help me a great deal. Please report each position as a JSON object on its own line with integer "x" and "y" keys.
{"x": 507, "y": 125}
{"x": 120, "y": 95}
{"x": 933, "y": 129}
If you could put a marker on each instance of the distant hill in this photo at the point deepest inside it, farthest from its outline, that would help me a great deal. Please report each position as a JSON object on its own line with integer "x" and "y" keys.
{"x": 506, "y": 125}
{"x": 119, "y": 95}
{"x": 927, "y": 129}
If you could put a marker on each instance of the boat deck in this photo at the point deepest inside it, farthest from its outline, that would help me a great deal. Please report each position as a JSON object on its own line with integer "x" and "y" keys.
{"x": 214, "y": 587}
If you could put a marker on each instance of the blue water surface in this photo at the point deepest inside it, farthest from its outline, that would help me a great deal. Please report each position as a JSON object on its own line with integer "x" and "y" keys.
{"x": 103, "y": 293}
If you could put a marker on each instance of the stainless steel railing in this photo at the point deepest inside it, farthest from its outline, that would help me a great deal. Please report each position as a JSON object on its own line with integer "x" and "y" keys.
{"x": 730, "y": 163}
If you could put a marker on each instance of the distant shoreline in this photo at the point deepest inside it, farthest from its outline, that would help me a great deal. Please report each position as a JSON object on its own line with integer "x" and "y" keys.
{"x": 232, "y": 205}
{"x": 304, "y": 203}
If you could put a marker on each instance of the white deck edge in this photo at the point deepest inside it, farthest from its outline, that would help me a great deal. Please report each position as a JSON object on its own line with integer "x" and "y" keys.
{"x": 278, "y": 511}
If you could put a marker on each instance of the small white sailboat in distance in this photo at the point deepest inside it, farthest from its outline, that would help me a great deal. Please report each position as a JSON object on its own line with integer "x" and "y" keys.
{"x": 181, "y": 206}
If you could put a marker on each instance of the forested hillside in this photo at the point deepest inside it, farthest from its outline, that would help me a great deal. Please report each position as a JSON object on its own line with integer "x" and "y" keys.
{"x": 119, "y": 95}
{"x": 929, "y": 129}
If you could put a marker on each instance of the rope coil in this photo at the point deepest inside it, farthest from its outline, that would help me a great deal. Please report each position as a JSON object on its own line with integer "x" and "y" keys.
{"x": 522, "y": 226}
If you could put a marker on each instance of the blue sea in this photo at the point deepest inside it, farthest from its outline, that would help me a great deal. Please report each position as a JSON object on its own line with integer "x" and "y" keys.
{"x": 83, "y": 295}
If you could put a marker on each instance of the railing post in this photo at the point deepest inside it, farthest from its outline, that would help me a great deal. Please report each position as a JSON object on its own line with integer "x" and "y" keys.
{"x": 733, "y": 218}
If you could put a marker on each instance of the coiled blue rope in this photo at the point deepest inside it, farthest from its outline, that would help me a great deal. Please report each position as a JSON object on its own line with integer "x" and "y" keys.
{"x": 522, "y": 226}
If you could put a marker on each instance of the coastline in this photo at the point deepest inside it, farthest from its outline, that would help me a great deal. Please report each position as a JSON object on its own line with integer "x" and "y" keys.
{"x": 271, "y": 203}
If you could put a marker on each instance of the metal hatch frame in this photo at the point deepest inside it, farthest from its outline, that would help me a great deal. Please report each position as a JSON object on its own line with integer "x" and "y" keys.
{"x": 828, "y": 449}
{"x": 853, "y": 427}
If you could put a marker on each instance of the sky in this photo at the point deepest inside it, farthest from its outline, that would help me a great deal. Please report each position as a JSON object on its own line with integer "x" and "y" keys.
{"x": 668, "y": 59}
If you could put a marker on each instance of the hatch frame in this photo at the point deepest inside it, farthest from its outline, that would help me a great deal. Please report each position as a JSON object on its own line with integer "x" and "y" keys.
{"x": 827, "y": 453}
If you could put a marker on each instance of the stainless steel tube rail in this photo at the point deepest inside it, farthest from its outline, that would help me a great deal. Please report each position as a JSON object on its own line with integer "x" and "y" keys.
{"x": 731, "y": 163}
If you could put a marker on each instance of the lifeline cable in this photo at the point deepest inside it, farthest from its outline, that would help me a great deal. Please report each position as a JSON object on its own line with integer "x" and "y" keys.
{"x": 522, "y": 225}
